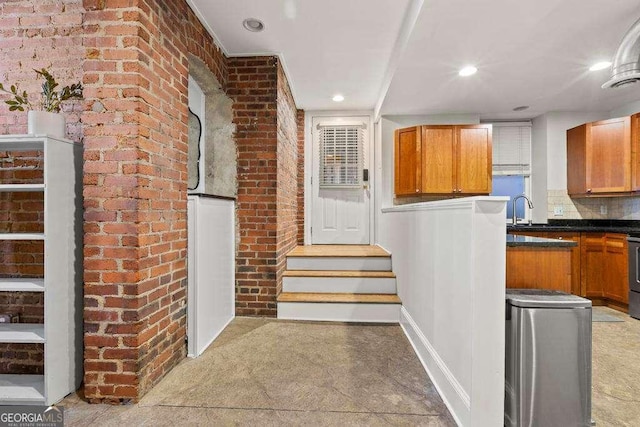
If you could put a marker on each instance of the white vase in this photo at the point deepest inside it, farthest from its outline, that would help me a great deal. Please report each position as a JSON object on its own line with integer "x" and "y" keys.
{"x": 45, "y": 123}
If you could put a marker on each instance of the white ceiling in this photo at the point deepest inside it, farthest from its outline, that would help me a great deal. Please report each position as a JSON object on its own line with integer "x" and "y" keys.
{"x": 327, "y": 46}
{"x": 534, "y": 53}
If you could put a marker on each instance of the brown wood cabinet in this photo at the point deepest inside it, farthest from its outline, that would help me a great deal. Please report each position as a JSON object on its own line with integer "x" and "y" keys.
{"x": 599, "y": 158}
{"x": 605, "y": 267}
{"x": 592, "y": 267}
{"x": 443, "y": 160}
{"x": 635, "y": 152}
{"x": 575, "y": 287}
{"x": 616, "y": 287}
{"x": 474, "y": 159}
{"x": 575, "y": 257}
{"x": 408, "y": 161}
{"x": 539, "y": 268}
{"x": 599, "y": 265}
{"x": 439, "y": 160}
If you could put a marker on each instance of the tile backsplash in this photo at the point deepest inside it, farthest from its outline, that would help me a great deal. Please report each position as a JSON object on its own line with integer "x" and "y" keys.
{"x": 592, "y": 207}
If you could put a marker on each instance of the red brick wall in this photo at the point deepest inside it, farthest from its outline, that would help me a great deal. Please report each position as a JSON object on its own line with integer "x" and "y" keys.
{"x": 40, "y": 34}
{"x": 33, "y": 34}
{"x": 300, "y": 216}
{"x": 287, "y": 185}
{"x": 131, "y": 55}
{"x": 252, "y": 84}
{"x": 266, "y": 134}
{"x": 135, "y": 187}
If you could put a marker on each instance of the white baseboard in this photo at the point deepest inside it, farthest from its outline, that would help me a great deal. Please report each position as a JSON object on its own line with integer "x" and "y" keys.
{"x": 193, "y": 356}
{"x": 451, "y": 391}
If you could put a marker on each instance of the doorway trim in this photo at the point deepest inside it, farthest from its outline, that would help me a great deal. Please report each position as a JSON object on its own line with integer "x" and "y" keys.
{"x": 308, "y": 165}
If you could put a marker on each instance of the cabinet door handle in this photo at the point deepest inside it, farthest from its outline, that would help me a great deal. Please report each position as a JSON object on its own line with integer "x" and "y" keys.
{"x": 417, "y": 190}
{"x": 588, "y": 190}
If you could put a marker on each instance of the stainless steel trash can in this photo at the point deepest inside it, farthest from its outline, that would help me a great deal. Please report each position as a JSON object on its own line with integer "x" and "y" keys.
{"x": 548, "y": 359}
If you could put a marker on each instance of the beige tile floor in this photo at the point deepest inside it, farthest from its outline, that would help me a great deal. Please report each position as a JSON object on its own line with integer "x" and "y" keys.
{"x": 276, "y": 373}
{"x": 616, "y": 371}
{"x": 268, "y": 372}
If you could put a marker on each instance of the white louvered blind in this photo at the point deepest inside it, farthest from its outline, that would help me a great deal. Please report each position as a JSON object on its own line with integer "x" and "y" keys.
{"x": 511, "y": 148}
{"x": 341, "y": 156}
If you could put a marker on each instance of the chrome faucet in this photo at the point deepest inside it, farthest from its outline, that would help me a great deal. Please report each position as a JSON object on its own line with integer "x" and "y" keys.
{"x": 529, "y": 202}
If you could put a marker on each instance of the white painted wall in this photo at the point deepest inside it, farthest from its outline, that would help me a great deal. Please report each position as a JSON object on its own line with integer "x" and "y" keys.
{"x": 211, "y": 270}
{"x": 539, "y": 169}
{"x": 449, "y": 259}
{"x": 626, "y": 110}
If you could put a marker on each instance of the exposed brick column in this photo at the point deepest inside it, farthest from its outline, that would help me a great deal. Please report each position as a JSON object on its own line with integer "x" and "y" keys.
{"x": 252, "y": 84}
{"x": 300, "y": 119}
{"x": 266, "y": 134}
{"x": 111, "y": 201}
{"x": 135, "y": 189}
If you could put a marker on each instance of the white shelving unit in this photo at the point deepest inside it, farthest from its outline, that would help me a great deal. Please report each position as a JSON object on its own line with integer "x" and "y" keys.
{"x": 61, "y": 332}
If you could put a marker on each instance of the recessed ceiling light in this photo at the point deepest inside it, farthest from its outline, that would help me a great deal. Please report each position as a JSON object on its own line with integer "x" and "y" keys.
{"x": 468, "y": 71}
{"x": 253, "y": 25}
{"x": 521, "y": 108}
{"x": 338, "y": 98}
{"x": 600, "y": 66}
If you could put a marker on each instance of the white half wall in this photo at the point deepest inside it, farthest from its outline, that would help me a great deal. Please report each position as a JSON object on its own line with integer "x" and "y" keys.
{"x": 210, "y": 268}
{"x": 449, "y": 260}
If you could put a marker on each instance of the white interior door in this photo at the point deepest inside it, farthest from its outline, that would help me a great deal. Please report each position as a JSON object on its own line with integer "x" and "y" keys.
{"x": 340, "y": 202}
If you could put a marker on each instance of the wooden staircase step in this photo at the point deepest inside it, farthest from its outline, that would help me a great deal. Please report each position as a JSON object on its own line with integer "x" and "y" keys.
{"x": 338, "y": 273}
{"x": 338, "y": 298}
{"x": 338, "y": 251}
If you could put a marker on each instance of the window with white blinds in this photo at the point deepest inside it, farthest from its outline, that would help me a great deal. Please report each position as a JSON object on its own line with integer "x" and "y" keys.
{"x": 341, "y": 156}
{"x": 511, "y": 148}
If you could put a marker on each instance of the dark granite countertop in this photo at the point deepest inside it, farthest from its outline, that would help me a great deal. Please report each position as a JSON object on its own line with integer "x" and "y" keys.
{"x": 631, "y": 227}
{"x": 513, "y": 240}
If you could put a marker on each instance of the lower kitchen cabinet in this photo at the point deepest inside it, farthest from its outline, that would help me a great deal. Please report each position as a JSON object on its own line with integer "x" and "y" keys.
{"x": 605, "y": 267}
{"x": 617, "y": 272}
{"x": 575, "y": 287}
{"x": 599, "y": 265}
{"x": 593, "y": 265}
{"x": 539, "y": 268}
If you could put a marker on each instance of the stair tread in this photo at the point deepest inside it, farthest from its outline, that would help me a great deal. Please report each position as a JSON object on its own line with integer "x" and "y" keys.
{"x": 338, "y": 251}
{"x": 337, "y": 298}
{"x": 339, "y": 273}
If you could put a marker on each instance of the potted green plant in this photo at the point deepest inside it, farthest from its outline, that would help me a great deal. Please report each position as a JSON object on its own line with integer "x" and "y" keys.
{"x": 46, "y": 120}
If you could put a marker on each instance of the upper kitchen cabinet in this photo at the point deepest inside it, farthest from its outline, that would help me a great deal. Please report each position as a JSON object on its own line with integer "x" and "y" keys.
{"x": 599, "y": 158}
{"x": 451, "y": 160}
{"x": 473, "y": 168}
{"x": 408, "y": 165}
{"x": 439, "y": 160}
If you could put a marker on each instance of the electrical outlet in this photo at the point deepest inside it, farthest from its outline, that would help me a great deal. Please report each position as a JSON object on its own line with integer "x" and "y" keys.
{"x": 603, "y": 209}
{"x": 558, "y": 211}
